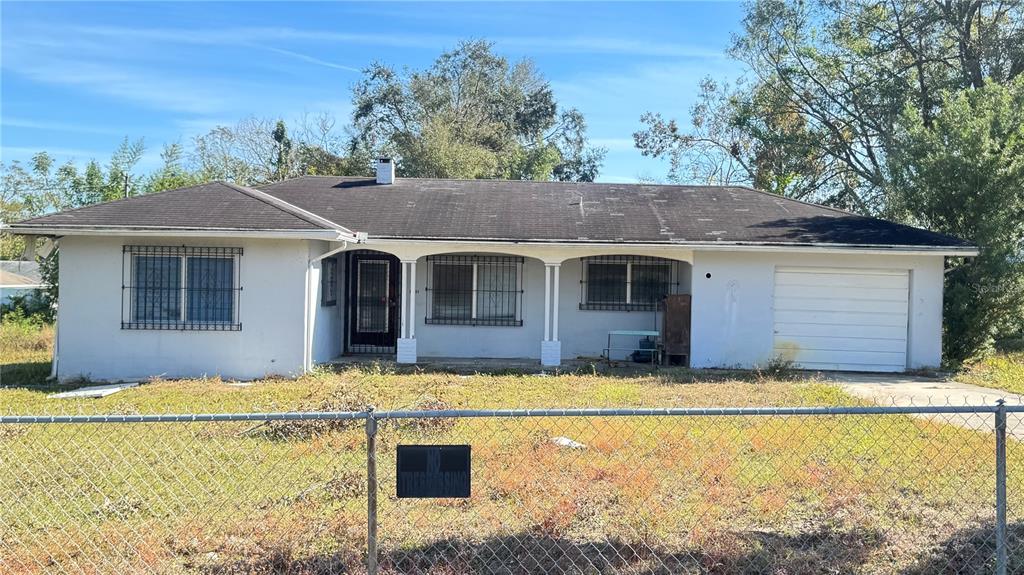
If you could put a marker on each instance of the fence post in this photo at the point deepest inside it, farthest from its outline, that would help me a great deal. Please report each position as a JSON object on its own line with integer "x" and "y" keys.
{"x": 1001, "y": 559}
{"x": 371, "y": 493}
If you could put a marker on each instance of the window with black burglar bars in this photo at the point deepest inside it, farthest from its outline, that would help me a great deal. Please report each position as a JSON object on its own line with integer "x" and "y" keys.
{"x": 627, "y": 283}
{"x": 180, "y": 288}
{"x": 474, "y": 290}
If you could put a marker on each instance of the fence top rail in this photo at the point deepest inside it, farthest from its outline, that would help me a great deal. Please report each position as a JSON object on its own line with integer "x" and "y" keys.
{"x": 691, "y": 411}
{"x": 184, "y": 417}
{"x": 513, "y": 413}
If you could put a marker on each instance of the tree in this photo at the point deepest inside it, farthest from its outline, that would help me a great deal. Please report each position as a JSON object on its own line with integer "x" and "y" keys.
{"x": 20, "y": 198}
{"x": 173, "y": 174}
{"x": 260, "y": 150}
{"x": 962, "y": 173}
{"x": 829, "y": 81}
{"x": 471, "y": 114}
{"x": 120, "y": 183}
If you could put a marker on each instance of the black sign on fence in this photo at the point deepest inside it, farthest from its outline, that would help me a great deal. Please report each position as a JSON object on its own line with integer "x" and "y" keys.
{"x": 433, "y": 471}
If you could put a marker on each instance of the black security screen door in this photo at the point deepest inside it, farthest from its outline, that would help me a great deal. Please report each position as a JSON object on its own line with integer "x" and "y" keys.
{"x": 373, "y": 303}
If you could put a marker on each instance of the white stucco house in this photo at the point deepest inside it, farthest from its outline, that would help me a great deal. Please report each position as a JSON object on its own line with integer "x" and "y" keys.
{"x": 220, "y": 279}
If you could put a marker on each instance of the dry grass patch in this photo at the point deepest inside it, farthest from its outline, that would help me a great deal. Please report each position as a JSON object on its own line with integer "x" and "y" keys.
{"x": 794, "y": 495}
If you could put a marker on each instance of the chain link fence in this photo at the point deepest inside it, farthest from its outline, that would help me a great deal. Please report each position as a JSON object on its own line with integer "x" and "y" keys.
{"x": 914, "y": 490}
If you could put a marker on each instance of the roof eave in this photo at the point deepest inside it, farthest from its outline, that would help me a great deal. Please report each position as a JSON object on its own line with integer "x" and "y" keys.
{"x": 163, "y": 231}
{"x": 958, "y": 251}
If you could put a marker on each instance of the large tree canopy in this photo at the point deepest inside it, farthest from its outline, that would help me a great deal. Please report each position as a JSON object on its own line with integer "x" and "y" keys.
{"x": 471, "y": 114}
{"x": 828, "y": 81}
{"x": 963, "y": 173}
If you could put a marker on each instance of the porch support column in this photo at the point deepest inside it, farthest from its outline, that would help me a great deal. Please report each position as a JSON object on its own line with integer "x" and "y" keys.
{"x": 551, "y": 348}
{"x": 407, "y": 301}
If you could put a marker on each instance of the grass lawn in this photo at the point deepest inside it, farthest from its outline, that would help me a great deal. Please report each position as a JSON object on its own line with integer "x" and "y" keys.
{"x": 1002, "y": 371}
{"x": 787, "y": 495}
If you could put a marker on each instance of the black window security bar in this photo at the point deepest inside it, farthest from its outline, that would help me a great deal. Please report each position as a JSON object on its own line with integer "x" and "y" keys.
{"x": 475, "y": 290}
{"x": 627, "y": 283}
{"x": 180, "y": 288}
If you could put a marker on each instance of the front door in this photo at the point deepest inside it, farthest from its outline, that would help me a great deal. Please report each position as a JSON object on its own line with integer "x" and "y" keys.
{"x": 373, "y": 302}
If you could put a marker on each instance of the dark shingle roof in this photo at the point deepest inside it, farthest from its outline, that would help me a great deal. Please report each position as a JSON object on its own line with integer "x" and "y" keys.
{"x": 501, "y": 210}
{"x": 587, "y": 212}
{"x": 215, "y": 205}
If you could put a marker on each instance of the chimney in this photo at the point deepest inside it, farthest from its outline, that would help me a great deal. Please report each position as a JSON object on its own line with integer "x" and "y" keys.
{"x": 385, "y": 171}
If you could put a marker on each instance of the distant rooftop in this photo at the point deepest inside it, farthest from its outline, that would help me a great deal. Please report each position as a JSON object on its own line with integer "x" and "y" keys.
{"x": 16, "y": 273}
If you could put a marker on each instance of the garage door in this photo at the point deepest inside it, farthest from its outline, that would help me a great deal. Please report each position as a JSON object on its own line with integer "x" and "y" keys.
{"x": 845, "y": 319}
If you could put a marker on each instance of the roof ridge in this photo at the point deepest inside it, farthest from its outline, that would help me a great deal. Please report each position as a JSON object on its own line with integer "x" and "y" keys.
{"x": 286, "y": 207}
{"x": 513, "y": 181}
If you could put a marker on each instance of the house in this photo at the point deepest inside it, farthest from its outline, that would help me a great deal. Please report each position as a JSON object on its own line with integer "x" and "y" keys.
{"x": 229, "y": 280}
{"x": 19, "y": 279}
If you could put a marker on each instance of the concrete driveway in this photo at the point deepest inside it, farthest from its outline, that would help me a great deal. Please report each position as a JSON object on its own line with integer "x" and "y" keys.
{"x": 899, "y": 389}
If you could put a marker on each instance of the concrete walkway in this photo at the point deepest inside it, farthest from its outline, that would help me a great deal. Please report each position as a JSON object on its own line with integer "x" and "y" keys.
{"x": 899, "y": 389}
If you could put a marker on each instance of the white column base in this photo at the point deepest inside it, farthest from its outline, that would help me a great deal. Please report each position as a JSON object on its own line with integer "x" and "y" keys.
{"x": 406, "y": 350}
{"x": 551, "y": 353}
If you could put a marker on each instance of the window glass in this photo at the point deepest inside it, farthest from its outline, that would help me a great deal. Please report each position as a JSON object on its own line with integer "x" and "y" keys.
{"x": 496, "y": 291}
{"x": 157, "y": 289}
{"x": 650, "y": 282}
{"x": 452, "y": 291}
{"x": 329, "y": 282}
{"x": 210, "y": 292}
{"x": 606, "y": 283}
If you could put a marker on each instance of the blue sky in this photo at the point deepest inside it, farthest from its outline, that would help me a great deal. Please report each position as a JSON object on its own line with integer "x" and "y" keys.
{"x": 78, "y": 77}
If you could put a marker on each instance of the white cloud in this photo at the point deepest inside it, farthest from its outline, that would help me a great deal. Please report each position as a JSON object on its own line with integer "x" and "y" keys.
{"x": 28, "y": 123}
{"x": 311, "y": 59}
{"x": 244, "y": 36}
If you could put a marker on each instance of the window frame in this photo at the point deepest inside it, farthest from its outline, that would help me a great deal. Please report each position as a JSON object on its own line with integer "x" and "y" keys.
{"x": 184, "y": 254}
{"x": 588, "y": 303}
{"x": 477, "y": 312}
{"x": 329, "y": 282}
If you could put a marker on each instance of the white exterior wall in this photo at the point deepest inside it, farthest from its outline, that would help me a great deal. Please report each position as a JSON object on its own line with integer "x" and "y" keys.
{"x": 732, "y": 311}
{"x": 733, "y": 315}
{"x": 327, "y": 321}
{"x": 92, "y": 344}
{"x": 484, "y": 341}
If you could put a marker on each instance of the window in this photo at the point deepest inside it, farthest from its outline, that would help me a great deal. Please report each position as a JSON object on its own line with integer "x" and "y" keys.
{"x": 626, "y": 282}
{"x": 178, "y": 287}
{"x": 329, "y": 282}
{"x": 474, "y": 290}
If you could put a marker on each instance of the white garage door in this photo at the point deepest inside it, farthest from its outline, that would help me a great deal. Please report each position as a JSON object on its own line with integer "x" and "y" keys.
{"x": 844, "y": 319}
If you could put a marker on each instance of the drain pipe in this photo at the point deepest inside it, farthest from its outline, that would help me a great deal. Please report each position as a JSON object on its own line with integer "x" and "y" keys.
{"x": 310, "y": 306}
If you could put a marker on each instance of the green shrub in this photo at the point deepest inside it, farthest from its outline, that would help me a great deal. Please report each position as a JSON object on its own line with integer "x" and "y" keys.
{"x": 27, "y": 307}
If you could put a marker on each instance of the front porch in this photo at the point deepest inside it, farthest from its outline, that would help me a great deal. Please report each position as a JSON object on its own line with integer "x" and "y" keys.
{"x": 522, "y": 308}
